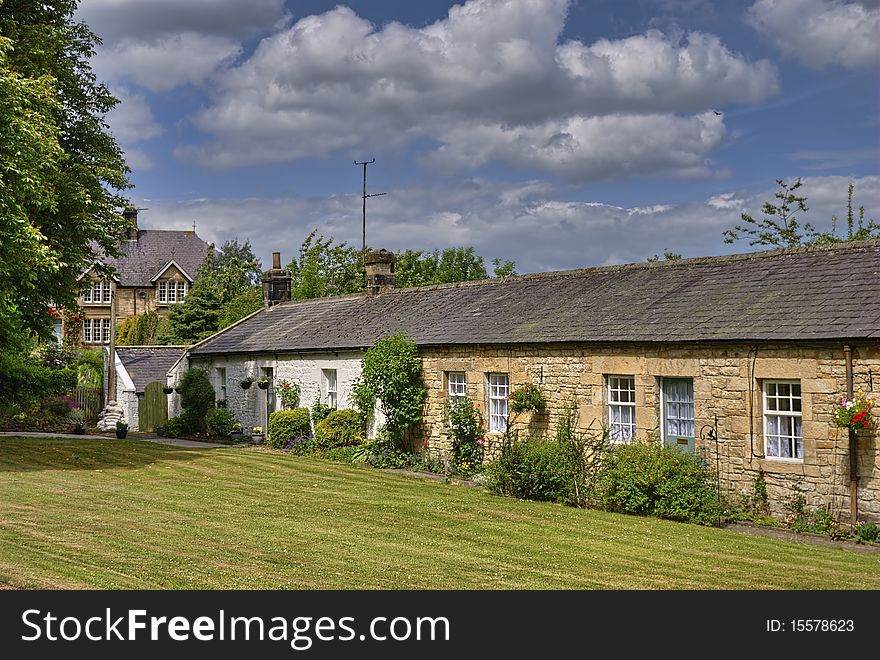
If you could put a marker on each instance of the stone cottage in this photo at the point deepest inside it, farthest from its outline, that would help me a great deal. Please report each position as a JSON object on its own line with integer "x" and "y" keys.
{"x": 140, "y": 377}
{"x": 154, "y": 273}
{"x": 737, "y": 358}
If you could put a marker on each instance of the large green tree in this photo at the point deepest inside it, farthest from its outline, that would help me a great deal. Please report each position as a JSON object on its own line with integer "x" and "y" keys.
{"x": 325, "y": 269}
{"x": 61, "y": 171}
{"x": 456, "y": 264}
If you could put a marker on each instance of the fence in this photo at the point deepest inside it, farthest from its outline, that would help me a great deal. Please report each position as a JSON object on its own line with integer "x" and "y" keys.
{"x": 90, "y": 400}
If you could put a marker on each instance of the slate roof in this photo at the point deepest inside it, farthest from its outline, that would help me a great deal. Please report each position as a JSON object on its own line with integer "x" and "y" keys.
{"x": 807, "y": 294}
{"x": 148, "y": 363}
{"x": 152, "y": 251}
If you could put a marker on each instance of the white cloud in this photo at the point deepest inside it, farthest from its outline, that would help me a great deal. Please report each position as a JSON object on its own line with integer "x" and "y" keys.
{"x": 493, "y": 70}
{"x": 164, "y": 63}
{"x": 132, "y": 120}
{"x": 164, "y": 44}
{"x": 528, "y": 223}
{"x": 821, "y": 32}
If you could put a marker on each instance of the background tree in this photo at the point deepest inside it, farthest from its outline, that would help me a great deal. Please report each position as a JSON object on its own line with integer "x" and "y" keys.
{"x": 245, "y": 254}
{"x": 668, "y": 255}
{"x": 61, "y": 172}
{"x": 218, "y": 282}
{"x": 861, "y": 232}
{"x": 456, "y": 264}
{"x": 324, "y": 269}
{"x": 780, "y": 227}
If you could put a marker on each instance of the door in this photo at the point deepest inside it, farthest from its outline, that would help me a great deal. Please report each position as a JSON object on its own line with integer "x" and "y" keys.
{"x": 268, "y": 406}
{"x": 152, "y": 407}
{"x": 678, "y": 413}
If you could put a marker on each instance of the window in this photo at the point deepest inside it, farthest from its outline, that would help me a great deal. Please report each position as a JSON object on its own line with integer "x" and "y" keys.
{"x": 456, "y": 385}
{"x": 783, "y": 428}
{"x": 328, "y": 376}
{"x": 221, "y": 383}
{"x": 678, "y": 408}
{"x": 622, "y": 408}
{"x": 171, "y": 292}
{"x": 97, "y": 294}
{"x": 499, "y": 389}
{"x": 96, "y": 331}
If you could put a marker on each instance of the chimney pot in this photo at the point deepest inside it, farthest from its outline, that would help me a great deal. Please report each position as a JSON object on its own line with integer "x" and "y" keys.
{"x": 276, "y": 260}
{"x": 379, "y": 267}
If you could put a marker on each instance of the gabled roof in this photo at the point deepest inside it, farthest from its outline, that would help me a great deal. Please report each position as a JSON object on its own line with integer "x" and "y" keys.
{"x": 806, "y": 294}
{"x": 153, "y": 251}
{"x": 146, "y": 364}
{"x": 166, "y": 267}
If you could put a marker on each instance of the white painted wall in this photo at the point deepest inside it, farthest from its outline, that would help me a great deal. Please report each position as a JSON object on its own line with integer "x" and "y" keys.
{"x": 302, "y": 368}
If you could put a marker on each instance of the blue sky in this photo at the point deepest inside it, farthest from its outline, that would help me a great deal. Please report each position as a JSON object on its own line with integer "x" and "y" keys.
{"x": 557, "y": 134}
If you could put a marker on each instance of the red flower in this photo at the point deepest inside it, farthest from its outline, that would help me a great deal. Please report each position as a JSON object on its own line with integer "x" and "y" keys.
{"x": 858, "y": 418}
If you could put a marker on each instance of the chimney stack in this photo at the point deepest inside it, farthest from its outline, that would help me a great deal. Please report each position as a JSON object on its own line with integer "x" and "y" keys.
{"x": 130, "y": 215}
{"x": 379, "y": 266}
{"x": 276, "y": 283}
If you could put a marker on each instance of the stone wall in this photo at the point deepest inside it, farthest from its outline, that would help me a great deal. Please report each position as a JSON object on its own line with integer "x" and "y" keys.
{"x": 727, "y": 396}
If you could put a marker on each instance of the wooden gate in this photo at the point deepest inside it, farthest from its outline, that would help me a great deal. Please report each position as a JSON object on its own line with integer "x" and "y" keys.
{"x": 90, "y": 401}
{"x": 153, "y": 407}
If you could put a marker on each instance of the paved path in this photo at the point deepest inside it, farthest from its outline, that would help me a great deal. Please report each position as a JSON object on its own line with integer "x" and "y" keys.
{"x": 145, "y": 438}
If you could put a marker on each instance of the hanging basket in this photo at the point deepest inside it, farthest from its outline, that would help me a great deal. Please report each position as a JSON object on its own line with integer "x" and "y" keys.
{"x": 246, "y": 384}
{"x": 168, "y": 390}
{"x": 263, "y": 385}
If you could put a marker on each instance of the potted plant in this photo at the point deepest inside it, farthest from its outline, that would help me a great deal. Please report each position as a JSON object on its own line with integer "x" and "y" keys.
{"x": 257, "y": 434}
{"x": 79, "y": 421}
{"x": 246, "y": 382}
{"x": 854, "y": 413}
{"x": 527, "y": 397}
{"x": 121, "y": 430}
{"x": 263, "y": 383}
{"x": 237, "y": 432}
{"x": 168, "y": 389}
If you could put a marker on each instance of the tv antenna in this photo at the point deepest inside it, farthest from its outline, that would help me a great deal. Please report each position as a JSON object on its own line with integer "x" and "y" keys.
{"x": 364, "y": 225}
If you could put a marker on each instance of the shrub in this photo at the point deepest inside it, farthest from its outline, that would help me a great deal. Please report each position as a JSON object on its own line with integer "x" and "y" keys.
{"x": 340, "y": 428}
{"x": 25, "y": 382}
{"x": 466, "y": 432}
{"x": 300, "y": 446}
{"x": 527, "y": 397}
{"x": 288, "y": 393}
{"x": 286, "y": 425}
{"x": 196, "y": 397}
{"x": 383, "y": 452}
{"x": 178, "y": 427}
{"x": 220, "y": 422}
{"x": 342, "y": 454}
{"x": 320, "y": 411}
{"x": 867, "y": 532}
{"x": 655, "y": 480}
{"x": 532, "y": 469}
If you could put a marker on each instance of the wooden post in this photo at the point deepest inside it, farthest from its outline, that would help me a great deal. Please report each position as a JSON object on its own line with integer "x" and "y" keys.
{"x": 853, "y": 448}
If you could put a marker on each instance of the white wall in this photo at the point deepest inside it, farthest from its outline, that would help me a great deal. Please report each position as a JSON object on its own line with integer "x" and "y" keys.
{"x": 304, "y": 369}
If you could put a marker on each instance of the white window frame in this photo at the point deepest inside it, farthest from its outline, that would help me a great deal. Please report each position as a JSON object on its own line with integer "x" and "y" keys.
{"x": 771, "y": 406}
{"x": 330, "y": 387}
{"x": 456, "y": 385}
{"x": 87, "y": 331}
{"x": 105, "y": 331}
{"x": 664, "y": 404}
{"x": 181, "y": 291}
{"x": 498, "y": 401}
{"x": 97, "y": 294}
{"x": 172, "y": 293}
{"x": 162, "y": 295}
{"x": 621, "y": 431}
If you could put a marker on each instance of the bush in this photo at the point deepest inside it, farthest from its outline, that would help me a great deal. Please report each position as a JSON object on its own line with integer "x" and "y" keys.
{"x": 341, "y": 428}
{"x": 466, "y": 431}
{"x": 178, "y": 427}
{"x": 286, "y": 425}
{"x": 25, "y": 382}
{"x": 343, "y": 454}
{"x": 655, "y": 480}
{"x": 532, "y": 469}
{"x": 320, "y": 411}
{"x": 196, "y": 398}
{"x": 219, "y": 422}
{"x": 867, "y": 532}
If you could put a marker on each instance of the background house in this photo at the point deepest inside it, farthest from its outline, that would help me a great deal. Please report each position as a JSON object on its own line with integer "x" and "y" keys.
{"x": 155, "y": 272}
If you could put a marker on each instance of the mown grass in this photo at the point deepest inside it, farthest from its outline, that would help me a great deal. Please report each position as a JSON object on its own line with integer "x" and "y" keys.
{"x": 128, "y": 514}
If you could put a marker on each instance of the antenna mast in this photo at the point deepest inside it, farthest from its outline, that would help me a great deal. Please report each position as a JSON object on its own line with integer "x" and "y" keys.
{"x": 364, "y": 225}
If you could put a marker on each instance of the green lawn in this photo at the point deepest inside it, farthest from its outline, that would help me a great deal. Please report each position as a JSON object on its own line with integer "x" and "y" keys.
{"x": 128, "y": 514}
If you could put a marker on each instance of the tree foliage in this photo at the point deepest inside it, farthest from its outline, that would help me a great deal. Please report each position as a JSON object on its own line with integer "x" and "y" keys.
{"x": 392, "y": 372}
{"x": 218, "y": 282}
{"x": 325, "y": 269}
{"x": 61, "y": 171}
{"x": 244, "y": 253}
{"x": 781, "y": 228}
{"x": 456, "y": 264}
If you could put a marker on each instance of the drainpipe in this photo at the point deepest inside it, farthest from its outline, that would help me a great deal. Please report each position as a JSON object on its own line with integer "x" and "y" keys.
{"x": 853, "y": 456}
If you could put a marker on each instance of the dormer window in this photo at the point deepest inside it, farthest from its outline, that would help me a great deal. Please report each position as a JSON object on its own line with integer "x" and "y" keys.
{"x": 171, "y": 292}
{"x": 97, "y": 294}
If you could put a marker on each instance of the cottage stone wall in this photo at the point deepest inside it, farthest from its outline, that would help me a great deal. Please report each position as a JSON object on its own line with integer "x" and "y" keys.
{"x": 727, "y": 395}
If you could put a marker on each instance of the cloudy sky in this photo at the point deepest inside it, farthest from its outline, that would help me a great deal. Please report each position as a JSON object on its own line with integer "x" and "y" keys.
{"x": 557, "y": 133}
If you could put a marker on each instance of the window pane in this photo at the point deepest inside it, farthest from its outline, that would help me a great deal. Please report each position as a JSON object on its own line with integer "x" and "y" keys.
{"x": 181, "y": 290}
